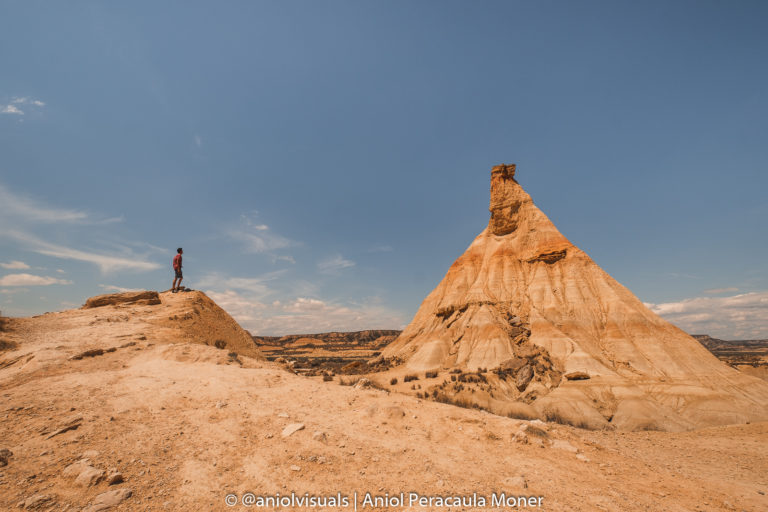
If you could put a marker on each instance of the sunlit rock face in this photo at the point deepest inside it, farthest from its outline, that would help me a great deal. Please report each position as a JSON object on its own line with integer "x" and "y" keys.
{"x": 523, "y": 296}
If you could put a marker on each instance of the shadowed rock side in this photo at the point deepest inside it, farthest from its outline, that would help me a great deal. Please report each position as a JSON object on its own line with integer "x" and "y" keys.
{"x": 522, "y": 298}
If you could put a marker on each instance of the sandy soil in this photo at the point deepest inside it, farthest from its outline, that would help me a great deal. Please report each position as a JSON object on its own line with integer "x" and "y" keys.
{"x": 185, "y": 424}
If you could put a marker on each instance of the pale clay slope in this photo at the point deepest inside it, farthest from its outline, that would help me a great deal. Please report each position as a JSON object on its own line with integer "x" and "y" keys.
{"x": 185, "y": 424}
{"x": 644, "y": 372}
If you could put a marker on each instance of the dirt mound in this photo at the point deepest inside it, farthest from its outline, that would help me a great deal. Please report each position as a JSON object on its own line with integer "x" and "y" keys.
{"x": 558, "y": 333}
{"x": 113, "y": 299}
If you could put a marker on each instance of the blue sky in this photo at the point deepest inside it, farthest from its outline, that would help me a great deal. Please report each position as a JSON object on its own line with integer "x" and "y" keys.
{"x": 323, "y": 163}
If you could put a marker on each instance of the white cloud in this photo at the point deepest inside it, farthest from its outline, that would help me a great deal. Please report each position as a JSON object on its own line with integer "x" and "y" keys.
{"x": 303, "y": 315}
{"x": 13, "y": 106}
{"x": 30, "y": 209}
{"x": 14, "y": 265}
{"x": 105, "y": 262}
{"x": 255, "y": 285}
{"x": 334, "y": 264}
{"x": 118, "y": 289}
{"x": 736, "y": 317}
{"x": 30, "y": 280}
{"x": 258, "y": 238}
{"x": 11, "y": 109}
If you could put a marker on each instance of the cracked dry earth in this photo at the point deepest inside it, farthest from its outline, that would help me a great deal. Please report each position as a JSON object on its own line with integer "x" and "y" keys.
{"x": 167, "y": 422}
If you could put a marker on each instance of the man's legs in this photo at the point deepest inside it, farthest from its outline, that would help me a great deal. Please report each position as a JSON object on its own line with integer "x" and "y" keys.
{"x": 173, "y": 286}
{"x": 178, "y": 286}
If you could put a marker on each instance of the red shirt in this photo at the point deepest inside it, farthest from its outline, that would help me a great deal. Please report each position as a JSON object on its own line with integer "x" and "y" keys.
{"x": 177, "y": 262}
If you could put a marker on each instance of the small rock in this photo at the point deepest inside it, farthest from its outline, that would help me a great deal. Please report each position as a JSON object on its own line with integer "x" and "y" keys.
{"x": 37, "y": 501}
{"x": 114, "y": 477}
{"x": 89, "y": 454}
{"x": 89, "y": 476}
{"x": 362, "y": 384}
{"x": 524, "y": 376}
{"x": 318, "y": 435}
{"x": 321, "y": 460}
{"x": 71, "y": 424}
{"x": 292, "y": 428}
{"x": 220, "y": 404}
{"x": 582, "y": 457}
{"x": 108, "y": 499}
{"x": 283, "y": 415}
{"x": 294, "y": 467}
{"x": 268, "y": 436}
{"x": 73, "y": 470}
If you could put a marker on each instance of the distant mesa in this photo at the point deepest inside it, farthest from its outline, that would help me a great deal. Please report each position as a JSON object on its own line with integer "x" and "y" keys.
{"x": 560, "y": 337}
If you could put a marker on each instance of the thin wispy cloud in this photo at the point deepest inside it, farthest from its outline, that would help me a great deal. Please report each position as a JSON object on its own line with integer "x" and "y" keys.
{"x": 30, "y": 280}
{"x": 14, "y": 265}
{"x": 256, "y": 286}
{"x": 334, "y": 264}
{"x": 257, "y": 238}
{"x": 118, "y": 289}
{"x": 105, "y": 262}
{"x": 733, "y": 317}
{"x": 17, "y": 205}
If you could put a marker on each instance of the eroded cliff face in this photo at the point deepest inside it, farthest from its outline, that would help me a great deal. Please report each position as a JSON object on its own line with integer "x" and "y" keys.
{"x": 525, "y": 303}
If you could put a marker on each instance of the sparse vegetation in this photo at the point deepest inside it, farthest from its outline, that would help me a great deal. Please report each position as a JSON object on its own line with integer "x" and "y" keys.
{"x": 556, "y": 417}
{"x": 327, "y": 377}
{"x": 472, "y": 378}
{"x": 393, "y": 381}
{"x": 220, "y": 344}
{"x": 521, "y": 415}
{"x": 409, "y": 378}
{"x": 431, "y": 375}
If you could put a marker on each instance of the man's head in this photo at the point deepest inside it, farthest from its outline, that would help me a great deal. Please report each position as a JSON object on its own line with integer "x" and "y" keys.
{"x": 179, "y": 250}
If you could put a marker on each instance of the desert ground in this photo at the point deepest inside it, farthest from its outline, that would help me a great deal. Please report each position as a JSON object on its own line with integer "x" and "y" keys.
{"x": 168, "y": 421}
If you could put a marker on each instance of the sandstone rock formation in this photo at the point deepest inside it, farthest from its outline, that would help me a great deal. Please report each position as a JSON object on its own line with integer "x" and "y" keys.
{"x": 111, "y": 299}
{"x": 578, "y": 346}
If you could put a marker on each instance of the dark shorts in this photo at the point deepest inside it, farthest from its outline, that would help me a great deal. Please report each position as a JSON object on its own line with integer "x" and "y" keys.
{"x": 178, "y": 274}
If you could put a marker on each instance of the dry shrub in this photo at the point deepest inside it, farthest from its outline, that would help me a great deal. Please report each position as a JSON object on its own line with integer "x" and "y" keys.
{"x": 409, "y": 378}
{"x": 327, "y": 377}
{"x": 431, "y": 375}
{"x": 348, "y": 382}
{"x": 7, "y": 345}
{"x": 393, "y": 381}
{"x": 556, "y": 417}
{"x": 521, "y": 415}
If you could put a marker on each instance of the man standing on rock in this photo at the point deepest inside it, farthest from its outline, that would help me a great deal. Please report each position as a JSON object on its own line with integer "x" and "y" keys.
{"x": 177, "y": 268}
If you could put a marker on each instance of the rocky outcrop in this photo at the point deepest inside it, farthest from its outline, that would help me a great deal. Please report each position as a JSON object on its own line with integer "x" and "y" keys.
{"x": 525, "y": 302}
{"x": 134, "y": 298}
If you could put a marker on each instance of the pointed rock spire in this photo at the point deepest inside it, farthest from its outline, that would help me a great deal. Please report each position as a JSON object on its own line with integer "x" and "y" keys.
{"x": 562, "y": 336}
